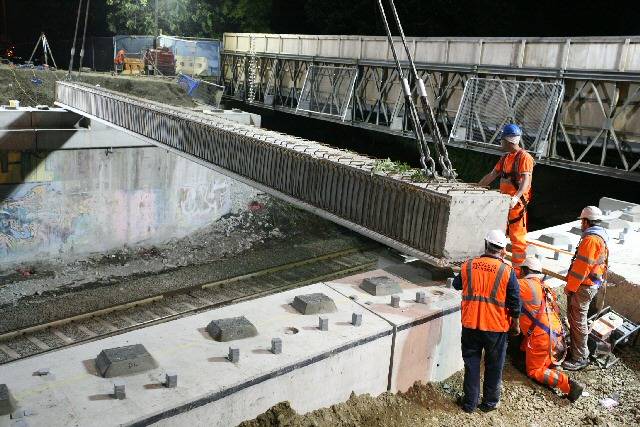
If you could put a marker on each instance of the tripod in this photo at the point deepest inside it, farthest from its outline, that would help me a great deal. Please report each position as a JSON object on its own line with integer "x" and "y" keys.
{"x": 46, "y": 49}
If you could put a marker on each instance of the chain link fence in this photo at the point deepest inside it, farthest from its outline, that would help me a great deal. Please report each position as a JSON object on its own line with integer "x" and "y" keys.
{"x": 488, "y": 104}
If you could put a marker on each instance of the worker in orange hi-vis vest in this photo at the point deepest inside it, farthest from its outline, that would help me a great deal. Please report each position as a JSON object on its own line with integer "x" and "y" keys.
{"x": 490, "y": 309}
{"x": 586, "y": 274}
{"x": 515, "y": 169}
{"x": 543, "y": 336}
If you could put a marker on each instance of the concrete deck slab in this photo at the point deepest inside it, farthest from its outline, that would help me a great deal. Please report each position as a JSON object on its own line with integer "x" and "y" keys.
{"x": 624, "y": 259}
{"x": 427, "y": 341}
{"x": 212, "y": 390}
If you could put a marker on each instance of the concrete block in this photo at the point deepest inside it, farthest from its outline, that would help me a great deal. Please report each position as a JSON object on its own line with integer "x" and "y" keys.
{"x": 276, "y": 345}
{"x": 555, "y": 239}
{"x": 130, "y": 359}
{"x": 42, "y": 372}
{"x": 7, "y": 403}
{"x": 576, "y": 230}
{"x": 380, "y": 286}
{"x": 233, "y": 328}
{"x": 614, "y": 224}
{"x": 395, "y": 301}
{"x": 314, "y": 304}
{"x": 119, "y": 390}
{"x": 171, "y": 380}
{"x": 356, "y": 319}
{"x": 323, "y": 323}
{"x": 631, "y": 217}
{"x": 609, "y": 204}
{"x": 421, "y": 297}
{"x": 234, "y": 354}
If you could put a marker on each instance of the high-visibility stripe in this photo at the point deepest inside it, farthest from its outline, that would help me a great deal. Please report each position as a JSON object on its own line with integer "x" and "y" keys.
{"x": 588, "y": 260}
{"x": 496, "y": 282}
{"x": 554, "y": 375}
{"x": 479, "y": 298}
{"x": 469, "y": 278}
{"x": 546, "y": 376}
{"x": 576, "y": 275}
{"x": 518, "y": 255}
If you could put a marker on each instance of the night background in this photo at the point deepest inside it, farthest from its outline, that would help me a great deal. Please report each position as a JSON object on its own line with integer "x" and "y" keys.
{"x": 23, "y": 20}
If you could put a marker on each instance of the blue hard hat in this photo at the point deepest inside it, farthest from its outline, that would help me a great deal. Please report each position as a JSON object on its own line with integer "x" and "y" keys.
{"x": 511, "y": 130}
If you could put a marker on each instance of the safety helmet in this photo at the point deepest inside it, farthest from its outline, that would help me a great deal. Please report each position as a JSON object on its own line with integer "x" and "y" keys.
{"x": 511, "y": 133}
{"x": 591, "y": 213}
{"x": 533, "y": 264}
{"x": 496, "y": 237}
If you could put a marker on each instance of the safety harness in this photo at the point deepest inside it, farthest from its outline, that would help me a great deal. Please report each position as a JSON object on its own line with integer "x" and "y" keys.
{"x": 554, "y": 337}
{"x": 514, "y": 177}
{"x": 597, "y": 280}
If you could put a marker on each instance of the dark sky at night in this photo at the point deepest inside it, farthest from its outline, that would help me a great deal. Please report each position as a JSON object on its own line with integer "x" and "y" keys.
{"x": 25, "y": 19}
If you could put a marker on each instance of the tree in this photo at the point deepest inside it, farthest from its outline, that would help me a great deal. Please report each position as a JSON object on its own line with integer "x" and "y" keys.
{"x": 195, "y": 18}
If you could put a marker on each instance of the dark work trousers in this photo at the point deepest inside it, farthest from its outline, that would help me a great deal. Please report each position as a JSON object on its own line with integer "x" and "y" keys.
{"x": 494, "y": 345}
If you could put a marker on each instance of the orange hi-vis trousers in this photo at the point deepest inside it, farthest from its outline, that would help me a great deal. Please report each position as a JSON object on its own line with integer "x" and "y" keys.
{"x": 538, "y": 363}
{"x": 517, "y": 231}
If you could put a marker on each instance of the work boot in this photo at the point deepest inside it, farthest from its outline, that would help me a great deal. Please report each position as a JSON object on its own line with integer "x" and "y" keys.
{"x": 486, "y": 408}
{"x": 575, "y": 365}
{"x": 575, "y": 390}
{"x": 461, "y": 403}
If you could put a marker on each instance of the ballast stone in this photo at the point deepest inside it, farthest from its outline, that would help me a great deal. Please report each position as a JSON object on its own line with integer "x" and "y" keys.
{"x": 231, "y": 329}
{"x": 380, "y": 286}
{"x": 7, "y": 404}
{"x": 118, "y": 361}
{"x": 314, "y": 304}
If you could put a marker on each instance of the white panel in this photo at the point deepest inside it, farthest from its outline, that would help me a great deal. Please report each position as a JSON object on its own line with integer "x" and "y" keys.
{"x": 273, "y": 45}
{"x": 633, "y": 57}
{"x": 503, "y": 54}
{"x": 289, "y": 45}
{"x": 310, "y": 46}
{"x": 431, "y": 51}
{"x": 350, "y": 48}
{"x": 592, "y": 56}
{"x": 462, "y": 52}
{"x": 375, "y": 50}
{"x": 242, "y": 43}
{"x": 543, "y": 55}
{"x": 329, "y": 48}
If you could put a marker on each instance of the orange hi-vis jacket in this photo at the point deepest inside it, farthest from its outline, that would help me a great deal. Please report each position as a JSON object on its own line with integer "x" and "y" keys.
{"x": 537, "y": 318}
{"x": 589, "y": 264}
{"x": 511, "y": 166}
{"x": 484, "y": 292}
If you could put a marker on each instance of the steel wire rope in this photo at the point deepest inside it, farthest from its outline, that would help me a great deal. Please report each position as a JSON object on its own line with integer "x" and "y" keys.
{"x": 441, "y": 149}
{"x": 84, "y": 34}
{"x": 75, "y": 35}
{"x": 427, "y": 162}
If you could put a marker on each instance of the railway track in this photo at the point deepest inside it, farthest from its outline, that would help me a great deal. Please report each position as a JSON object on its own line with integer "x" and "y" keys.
{"x": 37, "y": 339}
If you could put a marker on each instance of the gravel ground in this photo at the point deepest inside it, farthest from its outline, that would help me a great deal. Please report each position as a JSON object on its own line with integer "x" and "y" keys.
{"x": 266, "y": 234}
{"x": 524, "y": 403}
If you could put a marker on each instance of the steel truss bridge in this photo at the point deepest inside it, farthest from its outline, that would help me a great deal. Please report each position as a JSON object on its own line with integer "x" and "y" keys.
{"x": 596, "y": 128}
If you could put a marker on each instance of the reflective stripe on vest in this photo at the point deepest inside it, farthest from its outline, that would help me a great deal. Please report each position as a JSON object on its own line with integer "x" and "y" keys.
{"x": 494, "y": 291}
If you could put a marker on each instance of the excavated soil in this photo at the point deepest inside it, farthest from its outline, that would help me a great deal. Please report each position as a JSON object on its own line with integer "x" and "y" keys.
{"x": 523, "y": 403}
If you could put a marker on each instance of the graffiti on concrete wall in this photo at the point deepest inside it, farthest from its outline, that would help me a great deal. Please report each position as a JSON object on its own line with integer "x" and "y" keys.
{"x": 204, "y": 199}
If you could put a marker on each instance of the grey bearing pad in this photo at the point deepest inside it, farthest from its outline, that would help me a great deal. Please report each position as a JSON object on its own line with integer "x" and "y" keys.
{"x": 555, "y": 239}
{"x": 7, "y": 404}
{"x": 314, "y": 304}
{"x": 118, "y": 361}
{"x": 380, "y": 286}
{"x": 232, "y": 328}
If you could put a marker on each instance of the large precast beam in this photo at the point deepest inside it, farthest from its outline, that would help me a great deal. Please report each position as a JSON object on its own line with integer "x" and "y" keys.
{"x": 437, "y": 221}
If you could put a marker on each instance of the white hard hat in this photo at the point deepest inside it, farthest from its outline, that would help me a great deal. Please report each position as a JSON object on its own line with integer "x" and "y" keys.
{"x": 533, "y": 264}
{"x": 592, "y": 213}
{"x": 496, "y": 237}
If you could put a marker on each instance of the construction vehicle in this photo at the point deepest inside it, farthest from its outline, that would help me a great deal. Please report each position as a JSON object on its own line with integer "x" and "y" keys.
{"x": 160, "y": 60}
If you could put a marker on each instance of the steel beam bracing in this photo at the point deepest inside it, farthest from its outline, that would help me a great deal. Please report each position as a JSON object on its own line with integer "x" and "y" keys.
{"x": 341, "y": 186}
{"x": 595, "y": 130}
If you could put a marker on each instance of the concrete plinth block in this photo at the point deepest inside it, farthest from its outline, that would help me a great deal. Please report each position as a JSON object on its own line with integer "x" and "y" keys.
{"x": 234, "y": 354}
{"x": 631, "y": 217}
{"x": 130, "y": 359}
{"x": 119, "y": 390}
{"x": 232, "y": 328}
{"x": 314, "y": 304}
{"x": 7, "y": 403}
{"x": 356, "y": 319}
{"x": 555, "y": 239}
{"x": 615, "y": 223}
{"x": 421, "y": 297}
{"x": 171, "y": 380}
{"x": 380, "y": 286}
{"x": 395, "y": 301}
{"x": 323, "y": 323}
{"x": 276, "y": 345}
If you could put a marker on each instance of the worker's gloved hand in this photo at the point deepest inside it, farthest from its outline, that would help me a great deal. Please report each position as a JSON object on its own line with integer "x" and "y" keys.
{"x": 514, "y": 328}
{"x": 514, "y": 201}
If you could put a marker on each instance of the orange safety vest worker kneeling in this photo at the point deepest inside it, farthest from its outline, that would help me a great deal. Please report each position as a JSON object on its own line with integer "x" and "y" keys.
{"x": 543, "y": 336}
{"x": 490, "y": 308}
{"x": 515, "y": 170}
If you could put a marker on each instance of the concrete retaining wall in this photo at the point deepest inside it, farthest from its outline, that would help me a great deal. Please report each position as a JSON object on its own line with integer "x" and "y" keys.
{"x": 68, "y": 203}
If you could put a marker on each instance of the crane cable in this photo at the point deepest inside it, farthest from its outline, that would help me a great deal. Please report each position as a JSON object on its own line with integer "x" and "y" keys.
{"x": 426, "y": 161}
{"x": 84, "y": 35}
{"x": 75, "y": 34}
{"x": 432, "y": 124}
